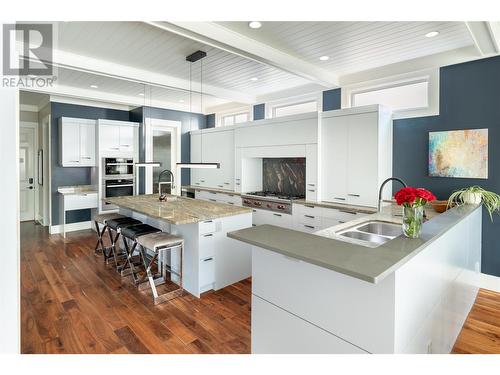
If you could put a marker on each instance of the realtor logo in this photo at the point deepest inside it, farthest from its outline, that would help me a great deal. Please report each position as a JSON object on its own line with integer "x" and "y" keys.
{"x": 27, "y": 49}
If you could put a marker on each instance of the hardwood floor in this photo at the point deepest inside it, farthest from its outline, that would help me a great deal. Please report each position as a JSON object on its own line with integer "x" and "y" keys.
{"x": 72, "y": 303}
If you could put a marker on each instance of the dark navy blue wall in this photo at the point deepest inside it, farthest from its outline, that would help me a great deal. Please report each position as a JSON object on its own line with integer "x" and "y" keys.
{"x": 211, "y": 120}
{"x": 331, "y": 99}
{"x": 259, "y": 111}
{"x": 69, "y": 175}
{"x": 469, "y": 98}
{"x": 190, "y": 121}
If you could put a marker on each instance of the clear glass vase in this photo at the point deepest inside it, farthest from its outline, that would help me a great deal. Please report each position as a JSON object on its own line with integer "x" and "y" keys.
{"x": 413, "y": 217}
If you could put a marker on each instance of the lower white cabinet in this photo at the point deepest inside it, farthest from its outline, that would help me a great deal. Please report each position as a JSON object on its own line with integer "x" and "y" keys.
{"x": 310, "y": 219}
{"x": 261, "y": 217}
{"x": 276, "y": 331}
{"x": 207, "y": 274}
{"x": 218, "y": 197}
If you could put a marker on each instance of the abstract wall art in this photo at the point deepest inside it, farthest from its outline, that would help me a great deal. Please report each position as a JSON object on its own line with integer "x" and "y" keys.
{"x": 459, "y": 153}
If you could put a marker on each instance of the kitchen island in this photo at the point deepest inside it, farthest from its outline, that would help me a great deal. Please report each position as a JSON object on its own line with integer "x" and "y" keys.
{"x": 211, "y": 260}
{"x": 324, "y": 293}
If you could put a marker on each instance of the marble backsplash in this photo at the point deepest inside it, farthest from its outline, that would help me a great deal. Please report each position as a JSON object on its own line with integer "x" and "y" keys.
{"x": 284, "y": 175}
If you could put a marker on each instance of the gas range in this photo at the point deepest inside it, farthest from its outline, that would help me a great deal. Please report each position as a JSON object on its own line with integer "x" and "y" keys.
{"x": 270, "y": 201}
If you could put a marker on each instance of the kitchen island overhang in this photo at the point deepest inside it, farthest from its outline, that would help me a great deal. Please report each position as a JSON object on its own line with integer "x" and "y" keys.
{"x": 211, "y": 260}
{"x": 405, "y": 296}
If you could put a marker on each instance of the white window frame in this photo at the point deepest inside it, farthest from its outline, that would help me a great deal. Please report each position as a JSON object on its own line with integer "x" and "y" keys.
{"x": 219, "y": 116}
{"x": 430, "y": 76}
{"x": 273, "y": 105}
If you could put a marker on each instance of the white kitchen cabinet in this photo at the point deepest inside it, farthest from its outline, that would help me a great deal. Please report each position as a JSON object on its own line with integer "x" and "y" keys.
{"x": 118, "y": 137}
{"x": 309, "y": 218}
{"x": 76, "y": 142}
{"x": 218, "y": 147}
{"x": 261, "y": 217}
{"x": 196, "y": 174}
{"x": 218, "y": 197}
{"x": 311, "y": 172}
{"x": 356, "y": 154}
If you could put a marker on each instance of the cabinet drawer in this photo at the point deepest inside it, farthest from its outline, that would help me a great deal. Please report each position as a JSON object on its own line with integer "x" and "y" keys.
{"x": 80, "y": 201}
{"x": 276, "y": 331}
{"x": 307, "y": 228}
{"x": 330, "y": 222}
{"x": 207, "y": 245}
{"x": 309, "y": 219}
{"x": 340, "y": 214}
{"x": 207, "y": 226}
{"x": 207, "y": 274}
{"x": 301, "y": 209}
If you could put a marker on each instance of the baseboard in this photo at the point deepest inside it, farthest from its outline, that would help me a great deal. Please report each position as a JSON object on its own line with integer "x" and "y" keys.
{"x": 82, "y": 225}
{"x": 489, "y": 282}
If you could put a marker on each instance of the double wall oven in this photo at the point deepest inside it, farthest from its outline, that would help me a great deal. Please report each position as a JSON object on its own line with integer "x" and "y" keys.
{"x": 118, "y": 179}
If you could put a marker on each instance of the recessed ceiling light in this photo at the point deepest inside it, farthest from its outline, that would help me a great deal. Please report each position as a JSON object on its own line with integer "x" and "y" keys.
{"x": 181, "y": 100}
{"x": 254, "y": 24}
{"x": 324, "y": 58}
{"x": 254, "y": 79}
{"x": 432, "y": 34}
{"x": 141, "y": 94}
{"x": 94, "y": 86}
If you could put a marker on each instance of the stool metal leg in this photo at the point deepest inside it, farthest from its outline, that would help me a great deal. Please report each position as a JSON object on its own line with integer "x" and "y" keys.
{"x": 129, "y": 267}
{"x": 100, "y": 242}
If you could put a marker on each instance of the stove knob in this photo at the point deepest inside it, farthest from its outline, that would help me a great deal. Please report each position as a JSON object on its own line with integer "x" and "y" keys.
{"x": 269, "y": 205}
{"x": 281, "y": 207}
{"x": 257, "y": 203}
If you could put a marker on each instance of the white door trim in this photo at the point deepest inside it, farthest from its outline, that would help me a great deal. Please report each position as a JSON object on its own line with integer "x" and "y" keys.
{"x": 174, "y": 127}
{"x": 34, "y": 127}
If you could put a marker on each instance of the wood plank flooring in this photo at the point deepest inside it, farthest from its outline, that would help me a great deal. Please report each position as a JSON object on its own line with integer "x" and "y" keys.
{"x": 72, "y": 303}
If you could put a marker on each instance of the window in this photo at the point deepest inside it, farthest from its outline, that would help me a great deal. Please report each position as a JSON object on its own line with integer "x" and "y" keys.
{"x": 296, "y": 108}
{"x": 401, "y": 97}
{"x": 235, "y": 118}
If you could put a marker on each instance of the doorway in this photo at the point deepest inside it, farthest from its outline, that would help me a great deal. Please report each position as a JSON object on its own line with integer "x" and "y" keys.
{"x": 162, "y": 145}
{"x": 28, "y": 141}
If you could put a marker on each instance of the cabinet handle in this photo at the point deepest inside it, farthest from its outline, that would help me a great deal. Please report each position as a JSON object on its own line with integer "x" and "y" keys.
{"x": 74, "y": 161}
{"x": 338, "y": 198}
{"x": 237, "y": 179}
{"x": 353, "y": 195}
{"x": 309, "y": 226}
{"x": 309, "y": 216}
{"x": 278, "y": 215}
{"x": 213, "y": 200}
{"x": 86, "y": 157}
{"x": 227, "y": 183}
{"x": 202, "y": 180}
{"x": 212, "y": 192}
{"x": 208, "y": 235}
{"x": 238, "y": 183}
{"x": 254, "y": 225}
{"x": 254, "y": 210}
{"x": 208, "y": 259}
{"x": 311, "y": 184}
{"x": 312, "y": 191}
{"x": 341, "y": 222}
{"x": 230, "y": 202}
{"x": 208, "y": 221}
{"x": 220, "y": 186}
{"x": 114, "y": 148}
{"x": 197, "y": 183}
{"x": 348, "y": 212}
{"x": 308, "y": 205}
{"x": 125, "y": 145}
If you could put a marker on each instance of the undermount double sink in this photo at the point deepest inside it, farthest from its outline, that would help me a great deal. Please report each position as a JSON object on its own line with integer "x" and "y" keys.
{"x": 373, "y": 232}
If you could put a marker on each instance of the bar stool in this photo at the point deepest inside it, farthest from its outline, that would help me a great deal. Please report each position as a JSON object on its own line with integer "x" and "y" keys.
{"x": 116, "y": 225}
{"x": 102, "y": 219}
{"x": 133, "y": 233}
{"x": 160, "y": 243}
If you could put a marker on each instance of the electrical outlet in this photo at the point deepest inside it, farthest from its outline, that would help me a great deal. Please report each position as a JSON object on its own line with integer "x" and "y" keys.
{"x": 429, "y": 347}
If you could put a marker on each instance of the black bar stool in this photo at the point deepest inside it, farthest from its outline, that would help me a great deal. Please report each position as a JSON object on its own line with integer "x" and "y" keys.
{"x": 101, "y": 219}
{"x": 117, "y": 225}
{"x": 160, "y": 244}
{"x": 133, "y": 233}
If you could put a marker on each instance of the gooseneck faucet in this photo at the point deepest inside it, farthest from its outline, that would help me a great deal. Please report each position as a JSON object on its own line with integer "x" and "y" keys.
{"x": 382, "y": 188}
{"x": 172, "y": 186}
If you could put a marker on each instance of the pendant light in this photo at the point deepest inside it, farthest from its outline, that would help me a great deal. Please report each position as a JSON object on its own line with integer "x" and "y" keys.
{"x": 198, "y": 55}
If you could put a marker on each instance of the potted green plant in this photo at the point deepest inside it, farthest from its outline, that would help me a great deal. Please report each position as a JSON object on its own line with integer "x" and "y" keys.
{"x": 476, "y": 195}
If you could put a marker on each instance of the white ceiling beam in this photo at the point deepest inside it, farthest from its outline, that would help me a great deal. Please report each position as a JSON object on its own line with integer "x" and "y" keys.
{"x": 486, "y": 36}
{"x": 220, "y": 37}
{"x": 100, "y": 67}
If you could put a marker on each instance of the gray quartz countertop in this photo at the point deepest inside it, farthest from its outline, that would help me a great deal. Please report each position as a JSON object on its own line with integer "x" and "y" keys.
{"x": 362, "y": 262}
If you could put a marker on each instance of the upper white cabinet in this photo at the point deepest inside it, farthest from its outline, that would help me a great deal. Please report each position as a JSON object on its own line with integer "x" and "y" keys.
{"x": 118, "y": 137}
{"x": 356, "y": 154}
{"x": 213, "y": 147}
{"x": 77, "y": 142}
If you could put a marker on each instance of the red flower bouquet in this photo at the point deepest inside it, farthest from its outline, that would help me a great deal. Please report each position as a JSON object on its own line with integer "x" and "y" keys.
{"x": 413, "y": 197}
{"x": 413, "y": 201}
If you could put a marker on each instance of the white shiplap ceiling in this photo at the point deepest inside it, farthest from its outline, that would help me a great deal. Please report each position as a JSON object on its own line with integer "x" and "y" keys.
{"x": 357, "y": 46}
{"x": 145, "y": 47}
{"x": 351, "y": 46}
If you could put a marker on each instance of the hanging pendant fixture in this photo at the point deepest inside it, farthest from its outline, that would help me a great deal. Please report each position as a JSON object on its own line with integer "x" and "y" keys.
{"x": 198, "y": 55}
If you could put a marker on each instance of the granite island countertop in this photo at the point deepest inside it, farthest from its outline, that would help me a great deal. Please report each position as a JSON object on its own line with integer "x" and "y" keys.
{"x": 180, "y": 210}
{"x": 359, "y": 261}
